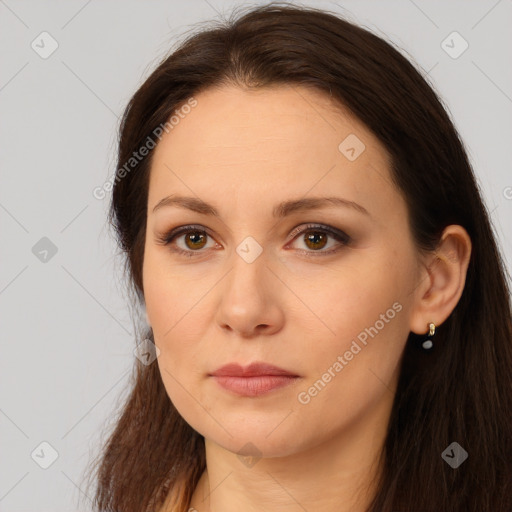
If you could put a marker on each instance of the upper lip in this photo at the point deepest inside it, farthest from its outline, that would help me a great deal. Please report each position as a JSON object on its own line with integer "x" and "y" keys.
{"x": 252, "y": 370}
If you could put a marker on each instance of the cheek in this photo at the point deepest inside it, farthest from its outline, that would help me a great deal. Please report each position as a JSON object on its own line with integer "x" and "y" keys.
{"x": 364, "y": 320}
{"x": 165, "y": 292}
{"x": 355, "y": 370}
{"x": 354, "y": 297}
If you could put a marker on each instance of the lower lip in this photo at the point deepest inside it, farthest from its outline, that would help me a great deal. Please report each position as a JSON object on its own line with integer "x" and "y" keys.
{"x": 254, "y": 386}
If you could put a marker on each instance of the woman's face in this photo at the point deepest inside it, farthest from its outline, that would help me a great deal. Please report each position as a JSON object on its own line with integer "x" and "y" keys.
{"x": 322, "y": 289}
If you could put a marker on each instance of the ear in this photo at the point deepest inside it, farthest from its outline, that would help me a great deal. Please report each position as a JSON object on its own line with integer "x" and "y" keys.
{"x": 441, "y": 280}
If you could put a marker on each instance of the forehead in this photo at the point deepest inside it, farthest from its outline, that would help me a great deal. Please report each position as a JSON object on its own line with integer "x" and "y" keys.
{"x": 286, "y": 139}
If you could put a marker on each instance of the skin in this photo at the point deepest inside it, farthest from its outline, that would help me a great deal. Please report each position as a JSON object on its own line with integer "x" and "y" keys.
{"x": 244, "y": 152}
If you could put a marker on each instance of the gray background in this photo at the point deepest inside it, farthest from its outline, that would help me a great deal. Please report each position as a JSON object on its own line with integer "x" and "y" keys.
{"x": 67, "y": 337}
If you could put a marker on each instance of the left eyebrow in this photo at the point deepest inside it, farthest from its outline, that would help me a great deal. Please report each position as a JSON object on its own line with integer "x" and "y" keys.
{"x": 281, "y": 210}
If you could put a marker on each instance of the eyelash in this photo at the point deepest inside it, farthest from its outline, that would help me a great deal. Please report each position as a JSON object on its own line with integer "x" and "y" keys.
{"x": 340, "y": 236}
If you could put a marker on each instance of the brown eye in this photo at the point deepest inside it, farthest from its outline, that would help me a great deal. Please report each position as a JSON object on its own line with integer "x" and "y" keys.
{"x": 187, "y": 240}
{"x": 195, "y": 239}
{"x": 316, "y": 239}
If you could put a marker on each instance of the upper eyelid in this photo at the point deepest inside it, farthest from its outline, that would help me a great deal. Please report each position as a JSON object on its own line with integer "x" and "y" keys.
{"x": 341, "y": 235}
{"x": 199, "y": 227}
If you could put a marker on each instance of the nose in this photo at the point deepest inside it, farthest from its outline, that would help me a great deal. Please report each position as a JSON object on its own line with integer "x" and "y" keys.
{"x": 249, "y": 302}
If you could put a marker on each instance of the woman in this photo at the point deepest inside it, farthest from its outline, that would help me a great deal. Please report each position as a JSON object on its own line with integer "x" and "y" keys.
{"x": 321, "y": 282}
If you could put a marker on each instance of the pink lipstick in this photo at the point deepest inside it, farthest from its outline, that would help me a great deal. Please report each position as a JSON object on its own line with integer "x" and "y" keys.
{"x": 253, "y": 380}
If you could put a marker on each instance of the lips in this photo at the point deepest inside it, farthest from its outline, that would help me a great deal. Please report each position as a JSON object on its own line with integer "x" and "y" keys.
{"x": 257, "y": 369}
{"x": 254, "y": 380}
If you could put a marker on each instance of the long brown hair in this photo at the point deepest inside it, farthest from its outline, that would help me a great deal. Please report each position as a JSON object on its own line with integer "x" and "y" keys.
{"x": 460, "y": 391}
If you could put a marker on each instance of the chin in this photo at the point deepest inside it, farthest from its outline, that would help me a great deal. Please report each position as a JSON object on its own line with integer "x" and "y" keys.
{"x": 256, "y": 443}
